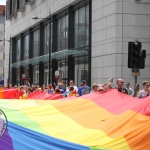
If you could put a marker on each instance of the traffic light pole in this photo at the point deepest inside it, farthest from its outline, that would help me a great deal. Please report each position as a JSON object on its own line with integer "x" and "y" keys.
{"x": 135, "y": 73}
{"x": 136, "y": 60}
{"x": 135, "y": 82}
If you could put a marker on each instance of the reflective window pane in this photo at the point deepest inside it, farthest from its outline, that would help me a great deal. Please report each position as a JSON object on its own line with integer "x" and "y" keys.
{"x": 81, "y": 67}
{"x": 63, "y": 70}
{"x": 18, "y": 55}
{"x": 18, "y": 76}
{"x": 46, "y": 39}
{"x": 36, "y": 74}
{"x": 36, "y": 48}
{"x": 62, "y": 34}
{"x": 81, "y": 29}
{"x": 26, "y": 47}
{"x": 46, "y": 73}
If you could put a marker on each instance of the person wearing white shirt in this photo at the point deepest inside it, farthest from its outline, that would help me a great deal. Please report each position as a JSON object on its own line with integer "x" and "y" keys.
{"x": 72, "y": 84}
{"x": 130, "y": 90}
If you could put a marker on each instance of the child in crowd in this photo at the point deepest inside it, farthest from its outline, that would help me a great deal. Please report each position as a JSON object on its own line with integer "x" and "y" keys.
{"x": 72, "y": 92}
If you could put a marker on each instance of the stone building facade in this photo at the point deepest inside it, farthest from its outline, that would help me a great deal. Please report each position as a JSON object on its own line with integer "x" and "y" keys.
{"x": 94, "y": 45}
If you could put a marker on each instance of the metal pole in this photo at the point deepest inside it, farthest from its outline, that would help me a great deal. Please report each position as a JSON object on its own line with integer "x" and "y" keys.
{"x": 135, "y": 72}
{"x": 135, "y": 82}
{"x": 50, "y": 49}
{"x": 8, "y": 82}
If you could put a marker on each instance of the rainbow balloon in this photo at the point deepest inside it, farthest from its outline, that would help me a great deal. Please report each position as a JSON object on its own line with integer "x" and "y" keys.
{"x": 107, "y": 121}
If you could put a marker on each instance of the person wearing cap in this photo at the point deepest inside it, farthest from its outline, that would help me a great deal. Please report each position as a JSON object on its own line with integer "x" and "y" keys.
{"x": 111, "y": 82}
{"x": 84, "y": 89}
{"x": 130, "y": 90}
{"x": 95, "y": 87}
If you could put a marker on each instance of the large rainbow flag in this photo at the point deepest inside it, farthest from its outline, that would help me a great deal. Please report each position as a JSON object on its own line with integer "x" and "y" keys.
{"x": 106, "y": 121}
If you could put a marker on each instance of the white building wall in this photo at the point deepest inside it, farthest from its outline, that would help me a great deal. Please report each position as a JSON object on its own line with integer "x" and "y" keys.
{"x": 114, "y": 24}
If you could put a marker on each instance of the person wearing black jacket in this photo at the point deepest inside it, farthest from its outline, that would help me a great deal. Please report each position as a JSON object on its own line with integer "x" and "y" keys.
{"x": 120, "y": 84}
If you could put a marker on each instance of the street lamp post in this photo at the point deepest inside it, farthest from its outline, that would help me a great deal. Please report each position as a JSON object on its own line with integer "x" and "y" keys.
{"x": 35, "y": 18}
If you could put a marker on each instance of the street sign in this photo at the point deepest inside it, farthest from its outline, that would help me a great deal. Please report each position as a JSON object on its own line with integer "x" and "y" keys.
{"x": 135, "y": 73}
{"x": 56, "y": 74}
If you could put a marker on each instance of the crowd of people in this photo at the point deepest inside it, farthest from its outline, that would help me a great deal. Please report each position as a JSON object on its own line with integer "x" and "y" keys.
{"x": 72, "y": 90}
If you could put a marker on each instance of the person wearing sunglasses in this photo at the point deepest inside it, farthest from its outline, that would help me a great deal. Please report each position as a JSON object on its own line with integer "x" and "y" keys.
{"x": 120, "y": 84}
{"x": 145, "y": 92}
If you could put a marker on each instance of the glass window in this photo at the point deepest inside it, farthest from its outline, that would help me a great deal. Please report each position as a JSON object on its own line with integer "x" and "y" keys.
{"x": 18, "y": 76}
{"x": 81, "y": 67}
{"x": 26, "y": 72}
{"x": 81, "y": 30}
{"x": 36, "y": 46}
{"x": 18, "y": 55}
{"x": 62, "y": 34}
{"x": 26, "y": 47}
{"x": 63, "y": 70}
{"x": 36, "y": 74}
{"x": 46, "y": 39}
{"x": 46, "y": 73}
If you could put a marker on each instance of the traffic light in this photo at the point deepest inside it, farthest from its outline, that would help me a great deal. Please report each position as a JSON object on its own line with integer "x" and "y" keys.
{"x": 136, "y": 56}
{"x": 133, "y": 54}
{"x": 141, "y": 64}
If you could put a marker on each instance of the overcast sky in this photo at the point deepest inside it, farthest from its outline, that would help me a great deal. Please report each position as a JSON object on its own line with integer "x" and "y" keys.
{"x": 2, "y": 2}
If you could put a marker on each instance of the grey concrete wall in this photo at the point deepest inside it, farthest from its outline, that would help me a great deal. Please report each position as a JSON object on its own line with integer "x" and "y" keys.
{"x": 114, "y": 24}
{"x": 2, "y": 37}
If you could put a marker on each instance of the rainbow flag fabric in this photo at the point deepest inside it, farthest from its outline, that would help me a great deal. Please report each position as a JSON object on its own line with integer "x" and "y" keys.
{"x": 97, "y": 121}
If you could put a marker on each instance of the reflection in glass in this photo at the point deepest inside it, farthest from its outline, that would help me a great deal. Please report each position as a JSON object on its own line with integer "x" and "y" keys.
{"x": 36, "y": 74}
{"x": 46, "y": 74}
{"x": 62, "y": 33}
{"x": 18, "y": 76}
{"x": 81, "y": 30}
{"x": 46, "y": 39}
{"x": 26, "y": 72}
{"x": 63, "y": 70}
{"x": 81, "y": 69}
{"x": 18, "y": 44}
{"x": 36, "y": 43}
{"x": 26, "y": 47}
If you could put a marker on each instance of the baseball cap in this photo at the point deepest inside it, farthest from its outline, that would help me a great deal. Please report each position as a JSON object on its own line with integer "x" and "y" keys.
{"x": 83, "y": 82}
